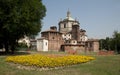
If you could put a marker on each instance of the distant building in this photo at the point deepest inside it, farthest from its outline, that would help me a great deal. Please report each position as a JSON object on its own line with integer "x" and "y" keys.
{"x": 69, "y": 37}
{"x": 25, "y": 40}
{"x": 29, "y": 42}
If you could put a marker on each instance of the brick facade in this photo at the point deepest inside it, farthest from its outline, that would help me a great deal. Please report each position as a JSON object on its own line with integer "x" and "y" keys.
{"x": 71, "y": 47}
{"x": 75, "y": 32}
{"x": 54, "y": 38}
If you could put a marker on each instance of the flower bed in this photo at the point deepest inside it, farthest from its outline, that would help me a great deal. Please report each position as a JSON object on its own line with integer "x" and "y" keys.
{"x": 48, "y": 61}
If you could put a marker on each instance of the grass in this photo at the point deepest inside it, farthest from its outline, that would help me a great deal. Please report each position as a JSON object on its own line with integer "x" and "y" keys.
{"x": 103, "y": 65}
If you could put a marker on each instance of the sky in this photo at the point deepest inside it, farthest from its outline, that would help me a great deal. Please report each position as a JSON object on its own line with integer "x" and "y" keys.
{"x": 100, "y": 18}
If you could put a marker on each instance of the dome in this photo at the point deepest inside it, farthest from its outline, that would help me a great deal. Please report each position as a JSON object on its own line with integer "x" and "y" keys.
{"x": 69, "y": 18}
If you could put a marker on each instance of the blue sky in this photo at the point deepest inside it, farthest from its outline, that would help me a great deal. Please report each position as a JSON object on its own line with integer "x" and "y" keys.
{"x": 98, "y": 17}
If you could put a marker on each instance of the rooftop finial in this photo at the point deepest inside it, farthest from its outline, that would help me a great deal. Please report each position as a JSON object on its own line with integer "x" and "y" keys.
{"x": 68, "y": 17}
{"x": 60, "y": 19}
{"x": 76, "y": 19}
{"x": 68, "y": 13}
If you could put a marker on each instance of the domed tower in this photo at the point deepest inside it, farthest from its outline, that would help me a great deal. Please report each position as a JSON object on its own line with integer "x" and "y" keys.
{"x": 65, "y": 25}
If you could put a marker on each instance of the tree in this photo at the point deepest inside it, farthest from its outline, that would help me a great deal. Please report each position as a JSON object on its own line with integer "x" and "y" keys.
{"x": 111, "y": 43}
{"x": 116, "y": 41}
{"x": 102, "y": 44}
{"x": 19, "y": 18}
{"x": 105, "y": 43}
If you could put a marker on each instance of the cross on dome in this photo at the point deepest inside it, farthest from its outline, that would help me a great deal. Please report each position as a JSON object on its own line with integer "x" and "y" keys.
{"x": 68, "y": 17}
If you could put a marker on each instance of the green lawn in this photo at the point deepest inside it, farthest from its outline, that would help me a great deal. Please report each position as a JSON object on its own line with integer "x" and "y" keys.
{"x": 103, "y": 65}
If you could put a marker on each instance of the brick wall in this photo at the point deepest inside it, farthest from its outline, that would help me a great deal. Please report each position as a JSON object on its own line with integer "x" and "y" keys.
{"x": 106, "y": 53}
{"x": 73, "y": 48}
{"x": 54, "y": 39}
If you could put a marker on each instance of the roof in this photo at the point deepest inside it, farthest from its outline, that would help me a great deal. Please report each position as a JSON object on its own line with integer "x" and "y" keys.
{"x": 69, "y": 18}
{"x": 82, "y": 30}
{"x": 72, "y": 44}
{"x": 52, "y": 31}
{"x": 41, "y": 38}
{"x": 33, "y": 40}
{"x": 93, "y": 40}
{"x": 49, "y": 31}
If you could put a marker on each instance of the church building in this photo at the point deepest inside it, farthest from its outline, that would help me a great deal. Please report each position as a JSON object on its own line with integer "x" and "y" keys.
{"x": 69, "y": 36}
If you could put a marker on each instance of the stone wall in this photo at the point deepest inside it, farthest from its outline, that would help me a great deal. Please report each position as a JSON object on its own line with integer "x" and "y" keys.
{"x": 70, "y": 47}
{"x": 95, "y": 46}
{"x": 92, "y": 45}
{"x": 106, "y": 53}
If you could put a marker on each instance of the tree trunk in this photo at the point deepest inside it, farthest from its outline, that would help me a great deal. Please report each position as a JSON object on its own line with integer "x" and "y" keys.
{"x": 6, "y": 47}
{"x": 13, "y": 46}
{"x": 12, "y": 49}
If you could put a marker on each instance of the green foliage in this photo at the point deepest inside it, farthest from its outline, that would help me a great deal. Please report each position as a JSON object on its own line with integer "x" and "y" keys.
{"x": 19, "y": 18}
{"x": 111, "y": 43}
{"x": 22, "y": 45}
{"x": 116, "y": 41}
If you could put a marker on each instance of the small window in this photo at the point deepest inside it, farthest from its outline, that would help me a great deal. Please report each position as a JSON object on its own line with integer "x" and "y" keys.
{"x": 74, "y": 41}
{"x": 53, "y": 38}
{"x": 64, "y": 25}
{"x": 46, "y": 43}
{"x": 90, "y": 44}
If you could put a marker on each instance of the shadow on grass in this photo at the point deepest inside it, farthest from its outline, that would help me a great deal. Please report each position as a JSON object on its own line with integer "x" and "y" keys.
{"x": 15, "y": 53}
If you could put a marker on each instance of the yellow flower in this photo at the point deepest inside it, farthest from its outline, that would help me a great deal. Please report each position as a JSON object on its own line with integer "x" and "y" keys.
{"x": 49, "y": 61}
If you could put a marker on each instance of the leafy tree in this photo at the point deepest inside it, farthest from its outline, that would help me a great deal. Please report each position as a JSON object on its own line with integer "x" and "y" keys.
{"x": 19, "y": 18}
{"x": 105, "y": 43}
{"x": 116, "y": 41}
{"x": 111, "y": 43}
{"x": 102, "y": 44}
